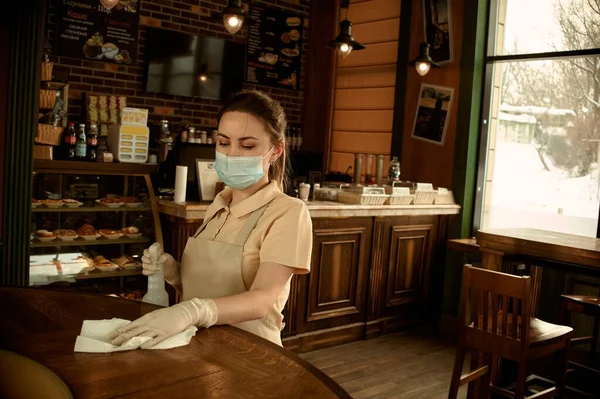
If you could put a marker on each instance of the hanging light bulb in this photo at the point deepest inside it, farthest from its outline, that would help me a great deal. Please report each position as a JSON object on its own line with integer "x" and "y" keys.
{"x": 109, "y": 4}
{"x": 344, "y": 49}
{"x": 423, "y": 63}
{"x": 233, "y": 23}
{"x": 344, "y": 43}
{"x": 233, "y": 16}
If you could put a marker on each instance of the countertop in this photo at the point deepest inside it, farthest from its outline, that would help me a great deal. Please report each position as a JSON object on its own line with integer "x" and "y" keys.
{"x": 320, "y": 209}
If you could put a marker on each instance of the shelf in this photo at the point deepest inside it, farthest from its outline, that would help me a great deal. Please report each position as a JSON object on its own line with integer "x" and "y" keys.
{"x": 80, "y": 242}
{"x": 93, "y": 168}
{"x": 43, "y": 209}
{"x": 98, "y": 274}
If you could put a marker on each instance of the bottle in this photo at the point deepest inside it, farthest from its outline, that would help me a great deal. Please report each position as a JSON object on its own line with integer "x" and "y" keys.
{"x": 69, "y": 141}
{"x": 81, "y": 146}
{"x": 92, "y": 143}
{"x": 156, "y": 294}
{"x": 192, "y": 135}
{"x": 379, "y": 173}
{"x": 394, "y": 171}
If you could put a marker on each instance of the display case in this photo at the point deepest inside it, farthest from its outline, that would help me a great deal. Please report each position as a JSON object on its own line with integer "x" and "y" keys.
{"x": 90, "y": 223}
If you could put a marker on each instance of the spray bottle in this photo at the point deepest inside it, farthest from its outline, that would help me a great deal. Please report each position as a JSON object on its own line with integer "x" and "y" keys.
{"x": 156, "y": 294}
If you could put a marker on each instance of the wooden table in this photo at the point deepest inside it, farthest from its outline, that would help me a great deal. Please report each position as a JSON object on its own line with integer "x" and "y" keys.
{"x": 539, "y": 246}
{"x": 220, "y": 362}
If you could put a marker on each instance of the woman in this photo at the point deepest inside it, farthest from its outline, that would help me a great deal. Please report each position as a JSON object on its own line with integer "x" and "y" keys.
{"x": 237, "y": 268}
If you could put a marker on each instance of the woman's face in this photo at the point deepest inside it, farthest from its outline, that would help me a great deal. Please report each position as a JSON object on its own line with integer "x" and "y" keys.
{"x": 243, "y": 135}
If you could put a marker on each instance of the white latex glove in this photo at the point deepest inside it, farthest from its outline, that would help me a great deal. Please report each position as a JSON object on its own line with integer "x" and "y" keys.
{"x": 164, "y": 323}
{"x": 154, "y": 259}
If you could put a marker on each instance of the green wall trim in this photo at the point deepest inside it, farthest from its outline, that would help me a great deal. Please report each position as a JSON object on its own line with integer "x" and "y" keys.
{"x": 467, "y": 145}
{"x": 26, "y": 27}
{"x": 469, "y": 115}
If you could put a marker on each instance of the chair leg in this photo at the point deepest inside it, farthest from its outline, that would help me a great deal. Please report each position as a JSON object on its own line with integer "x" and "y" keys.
{"x": 561, "y": 368}
{"x": 484, "y": 389}
{"x": 476, "y": 362}
{"x": 521, "y": 380}
{"x": 457, "y": 372}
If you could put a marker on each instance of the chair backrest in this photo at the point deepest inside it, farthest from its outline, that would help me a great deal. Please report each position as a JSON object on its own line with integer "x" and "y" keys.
{"x": 495, "y": 307}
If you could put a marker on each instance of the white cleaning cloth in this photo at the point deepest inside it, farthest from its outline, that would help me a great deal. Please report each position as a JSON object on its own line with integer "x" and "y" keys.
{"x": 92, "y": 337}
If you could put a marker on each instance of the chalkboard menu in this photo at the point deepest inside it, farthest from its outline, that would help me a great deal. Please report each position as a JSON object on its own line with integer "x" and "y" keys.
{"x": 274, "y": 48}
{"x": 86, "y": 29}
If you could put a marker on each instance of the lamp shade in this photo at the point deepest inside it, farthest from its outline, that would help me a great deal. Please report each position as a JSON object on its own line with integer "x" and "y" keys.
{"x": 233, "y": 16}
{"x": 344, "y": 43}
{"x": 423, "y": 63}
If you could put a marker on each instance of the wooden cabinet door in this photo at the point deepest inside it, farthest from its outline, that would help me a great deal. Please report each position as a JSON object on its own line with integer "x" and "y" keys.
{"x": 334, "y": 293}
{"x": 400, "y": 276}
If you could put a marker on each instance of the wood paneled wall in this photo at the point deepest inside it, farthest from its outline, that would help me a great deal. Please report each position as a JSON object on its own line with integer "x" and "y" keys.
{"x": 422, "y": 161}
{"x": 363, "y": 109}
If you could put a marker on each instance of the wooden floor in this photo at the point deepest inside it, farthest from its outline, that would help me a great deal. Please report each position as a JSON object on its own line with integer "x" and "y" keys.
{"x": 411, "y": 364}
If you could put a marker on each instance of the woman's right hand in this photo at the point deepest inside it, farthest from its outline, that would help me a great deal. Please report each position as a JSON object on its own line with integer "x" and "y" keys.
{"x": 154, "y": 259}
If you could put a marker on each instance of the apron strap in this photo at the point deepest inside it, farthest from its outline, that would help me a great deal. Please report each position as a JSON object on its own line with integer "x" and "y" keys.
{"x": 244, "y": 233}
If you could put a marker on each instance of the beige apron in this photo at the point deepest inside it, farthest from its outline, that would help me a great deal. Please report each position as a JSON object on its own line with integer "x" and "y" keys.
{"x": 212, "y": 269}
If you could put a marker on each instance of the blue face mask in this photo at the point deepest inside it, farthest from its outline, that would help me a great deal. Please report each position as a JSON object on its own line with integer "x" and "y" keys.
{"x": 239, "y": 172}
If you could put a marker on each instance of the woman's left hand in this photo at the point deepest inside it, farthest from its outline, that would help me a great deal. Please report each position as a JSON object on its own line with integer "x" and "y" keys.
{"x": 164, "y": 323}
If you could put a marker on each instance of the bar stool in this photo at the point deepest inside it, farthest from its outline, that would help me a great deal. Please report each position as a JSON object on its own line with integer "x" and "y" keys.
{"x": 492, "y": 305}
{"x": 588, "y": 369}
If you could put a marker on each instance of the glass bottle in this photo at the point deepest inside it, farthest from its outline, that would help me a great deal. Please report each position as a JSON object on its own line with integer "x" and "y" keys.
{"x": 69, "y": 142}
{"x": 394, "y": 170}
{"x": 92, "y": 143}
{"x": 81, "y": 146}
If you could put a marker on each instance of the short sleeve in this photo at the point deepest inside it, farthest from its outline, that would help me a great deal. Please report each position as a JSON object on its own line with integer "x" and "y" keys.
{"x": 289, "y": 239}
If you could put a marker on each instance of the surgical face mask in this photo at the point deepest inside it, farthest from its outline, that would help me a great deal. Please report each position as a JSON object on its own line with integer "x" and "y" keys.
{"x": 239, "y": 172}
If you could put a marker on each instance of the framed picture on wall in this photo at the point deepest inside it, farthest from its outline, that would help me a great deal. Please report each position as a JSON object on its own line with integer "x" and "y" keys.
{"x": 433, "y": 111}
{"x": 438, "y": 29}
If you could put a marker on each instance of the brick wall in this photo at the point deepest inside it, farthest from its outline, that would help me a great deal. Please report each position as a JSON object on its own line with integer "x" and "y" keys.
{"x": 188, "y": 16}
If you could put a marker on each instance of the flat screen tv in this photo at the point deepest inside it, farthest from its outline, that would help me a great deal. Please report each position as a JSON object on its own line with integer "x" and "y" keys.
{"x": 193, "y": 66}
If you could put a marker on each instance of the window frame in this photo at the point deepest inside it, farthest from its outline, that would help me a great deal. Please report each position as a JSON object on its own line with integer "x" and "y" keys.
{"x": 484, "y": 127}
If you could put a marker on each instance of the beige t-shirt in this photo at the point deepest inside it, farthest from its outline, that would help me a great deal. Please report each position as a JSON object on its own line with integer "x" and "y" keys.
{"x": 282, "y": 235}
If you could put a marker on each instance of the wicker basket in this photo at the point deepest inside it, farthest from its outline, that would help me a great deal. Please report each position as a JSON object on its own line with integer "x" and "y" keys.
{"x": 48, "y": 134}
{"x": 361, "y": 199}
{"x": 400, "y": 199}
{"x": 425, "y": 197}
{"x": 46, "y": 73}
{"x": 47, "y": 98}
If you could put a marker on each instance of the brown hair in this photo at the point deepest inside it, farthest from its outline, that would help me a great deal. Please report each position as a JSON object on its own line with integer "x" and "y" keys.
{"x": 271, "y": 114}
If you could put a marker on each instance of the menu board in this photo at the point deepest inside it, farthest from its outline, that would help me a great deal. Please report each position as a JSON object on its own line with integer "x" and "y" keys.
{"x": 87, "y": 29}
{"x": 274, "y": 48}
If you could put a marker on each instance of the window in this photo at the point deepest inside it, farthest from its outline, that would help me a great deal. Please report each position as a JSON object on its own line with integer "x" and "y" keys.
{"x": 540, "y": 147}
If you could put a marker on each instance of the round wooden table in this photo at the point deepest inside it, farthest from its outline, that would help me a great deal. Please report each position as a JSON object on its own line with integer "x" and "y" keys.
{"x": 220, "y": 362}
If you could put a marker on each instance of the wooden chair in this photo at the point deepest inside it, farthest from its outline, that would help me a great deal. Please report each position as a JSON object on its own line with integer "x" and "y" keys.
{"x": 588, "y": 305}
{"x": 492, "y": 305}
{"x": 584, "y": 371}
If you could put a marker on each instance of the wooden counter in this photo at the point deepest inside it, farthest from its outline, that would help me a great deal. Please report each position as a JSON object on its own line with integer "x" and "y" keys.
{"x": 320, "y": 209}
{"x": 374, "y": 269}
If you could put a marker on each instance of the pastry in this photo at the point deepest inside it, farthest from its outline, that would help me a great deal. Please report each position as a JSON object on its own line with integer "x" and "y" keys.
{"x": 65, "y": 233}
{"x": 87, "y": 230}
{"x": 101, "y": 261}
{"x": 52, "y": 202}
{"x": 130, "y": 230}
{"x": 110, "y": 201}
{"x": 127, "y": 261}
{"x": 44, "y": 234}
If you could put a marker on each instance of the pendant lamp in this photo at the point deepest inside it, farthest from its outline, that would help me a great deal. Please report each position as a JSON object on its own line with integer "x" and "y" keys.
{"x": 344, "y": 43}
{"x": 423, "y": 63}
{"x": 233, "y": 16}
